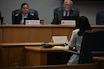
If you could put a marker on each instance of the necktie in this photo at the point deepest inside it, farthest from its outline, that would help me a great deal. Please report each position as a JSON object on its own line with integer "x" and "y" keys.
{"x": 66, "y": 13}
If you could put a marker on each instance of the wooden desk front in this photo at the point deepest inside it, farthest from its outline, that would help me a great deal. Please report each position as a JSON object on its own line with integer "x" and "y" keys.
{"x": 16, "y": 53}
{"x": 99, "y": 59}
{"x": 38, "y": 33}
{"x": 36, "y": 56}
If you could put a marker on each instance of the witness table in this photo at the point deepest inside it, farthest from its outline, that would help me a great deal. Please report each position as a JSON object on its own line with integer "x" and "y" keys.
{"x": 30, "y": 54}
{"x": 40, "y": 56}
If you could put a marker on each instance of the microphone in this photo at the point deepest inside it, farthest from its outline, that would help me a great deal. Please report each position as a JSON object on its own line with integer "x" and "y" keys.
{"x": 66, "y": 43}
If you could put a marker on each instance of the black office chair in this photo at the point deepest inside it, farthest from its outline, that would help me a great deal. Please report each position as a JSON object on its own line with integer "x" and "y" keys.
{"x": 0, "y": 13}
{"x": 1, "y": 19}
{"x": 17, "y": 11}
{"x": 100, "y": 18}
{"x": 92, "y": 42}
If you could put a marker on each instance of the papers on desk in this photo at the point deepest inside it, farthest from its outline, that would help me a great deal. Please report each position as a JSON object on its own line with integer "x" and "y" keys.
{"x": 61, "y": 47}
{"x": 58, "y": 46}
{"x": 59, "y": 39}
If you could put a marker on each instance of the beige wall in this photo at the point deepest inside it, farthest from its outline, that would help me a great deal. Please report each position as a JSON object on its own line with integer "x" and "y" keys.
{"x": 45, "y": 8}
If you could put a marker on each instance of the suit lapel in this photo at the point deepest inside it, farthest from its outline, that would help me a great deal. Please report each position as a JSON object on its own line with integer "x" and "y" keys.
{"x": 71, "y": 13}
{"x": 20, "y": 17}
{"x": 60, "y": 13}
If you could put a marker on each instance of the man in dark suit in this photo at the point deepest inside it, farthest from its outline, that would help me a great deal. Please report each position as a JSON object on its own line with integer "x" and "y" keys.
{"x": 18, "y": 18}
{"x": 66, "y": 10}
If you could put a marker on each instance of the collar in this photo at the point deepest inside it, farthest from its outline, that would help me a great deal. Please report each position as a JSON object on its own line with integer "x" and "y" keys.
{"x": 25, "y": 14}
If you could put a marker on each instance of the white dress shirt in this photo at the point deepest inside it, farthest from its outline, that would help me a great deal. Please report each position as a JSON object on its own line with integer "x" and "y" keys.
{"x": 64, "y": 13}
{"x": 23, "y": 16}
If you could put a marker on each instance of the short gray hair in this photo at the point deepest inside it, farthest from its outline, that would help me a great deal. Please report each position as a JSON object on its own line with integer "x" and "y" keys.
{"x": 68, "y": 0}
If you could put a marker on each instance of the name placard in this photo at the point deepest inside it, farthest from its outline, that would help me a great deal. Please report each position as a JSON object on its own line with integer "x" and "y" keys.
{"x": 32, "y": 22}
{"x": 68, "y": 22}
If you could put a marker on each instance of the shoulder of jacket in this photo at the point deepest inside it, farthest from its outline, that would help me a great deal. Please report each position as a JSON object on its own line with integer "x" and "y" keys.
{"x": 32, "y": 14}
{"x": 17, "y": 14}
{"x": 75, "y": 31}
{"x": 74, "y": 8}
{"x": 58, "y": 8}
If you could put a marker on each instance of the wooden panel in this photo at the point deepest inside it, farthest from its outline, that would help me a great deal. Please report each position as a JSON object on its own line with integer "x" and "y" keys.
{"x": 39, "y": 33}
{"x": 97, "y": 26}
{"x": 44, "y": 56}
{"x": 62, "y": 31}
{"x": 81, "y": 66}
{"x": 4, "y": 57}
{"x": 42, "y": 34}
{"x": 35, "y": 58}
{"x": 19, "y": 35}
{"x": 102, "y": 66}
{"x": 12, "y": 56}
{"x": 16, "y": 56}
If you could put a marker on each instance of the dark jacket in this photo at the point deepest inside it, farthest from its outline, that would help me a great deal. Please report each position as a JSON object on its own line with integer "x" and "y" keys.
{"x": 58, "y": 13}
{"x": 100, "y": 18}
{"x": 18, "y": 17}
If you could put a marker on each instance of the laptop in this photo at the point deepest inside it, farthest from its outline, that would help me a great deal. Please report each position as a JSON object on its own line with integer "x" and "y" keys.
{"x": 31, "y": 21}
{"x": 59, "y": 39}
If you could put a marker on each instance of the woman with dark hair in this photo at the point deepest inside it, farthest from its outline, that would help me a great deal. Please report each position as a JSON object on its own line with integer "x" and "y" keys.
{"x": 76, "y": 38}
{"x": 25, "y": 13}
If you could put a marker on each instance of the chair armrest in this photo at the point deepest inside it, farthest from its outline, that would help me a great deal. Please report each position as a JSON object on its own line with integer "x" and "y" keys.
{"x": 70, "y": 51}
{"x": 97, "y": 53}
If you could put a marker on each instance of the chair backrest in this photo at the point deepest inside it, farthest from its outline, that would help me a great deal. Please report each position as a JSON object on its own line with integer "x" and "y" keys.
{"x": 17, "y": 11}
{"x": 92, "y": 41}
{"x": 1, "y": 18}
{"x": 100, "y": 18}
{"x": 0, "y": 13}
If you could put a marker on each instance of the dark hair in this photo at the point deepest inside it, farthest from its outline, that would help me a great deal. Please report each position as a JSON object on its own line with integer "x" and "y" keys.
{"x": 24, "y": 4}
{"x": 83, "y": 24}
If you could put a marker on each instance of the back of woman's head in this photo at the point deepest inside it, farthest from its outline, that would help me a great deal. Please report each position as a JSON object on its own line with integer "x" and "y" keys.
{"x": 83, "y": 24}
